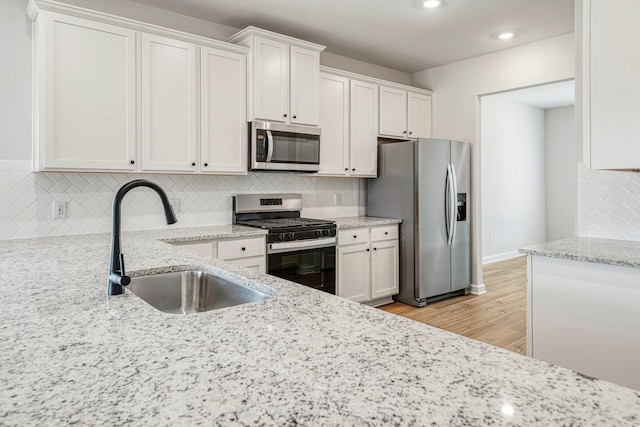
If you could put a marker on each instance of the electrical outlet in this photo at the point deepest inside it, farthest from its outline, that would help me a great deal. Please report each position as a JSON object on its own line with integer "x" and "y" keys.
{"x": 337, "y": 199}
{"x": 59, "y": 209}
{"x": 175, "y": 203}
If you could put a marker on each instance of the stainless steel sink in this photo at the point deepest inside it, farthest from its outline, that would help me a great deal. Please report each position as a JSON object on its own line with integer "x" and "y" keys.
{"x": 193, "y": 291}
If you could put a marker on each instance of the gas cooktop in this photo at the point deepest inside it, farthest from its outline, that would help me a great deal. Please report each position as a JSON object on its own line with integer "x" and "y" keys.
{"x": 282, "y": 223}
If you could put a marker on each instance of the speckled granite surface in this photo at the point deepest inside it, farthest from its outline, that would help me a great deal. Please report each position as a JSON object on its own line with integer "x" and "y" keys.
{"x": 590, "y": 249}
{"x": 363, "y": 221}
{"x": 70, "y": 355}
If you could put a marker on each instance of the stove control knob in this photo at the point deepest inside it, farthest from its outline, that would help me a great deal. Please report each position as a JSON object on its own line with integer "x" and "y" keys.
{"x": 326, "y": 232}
{"x": 288, "y": 236}
{"x": 318, "y": 233}
{"x": 282, "y": 236}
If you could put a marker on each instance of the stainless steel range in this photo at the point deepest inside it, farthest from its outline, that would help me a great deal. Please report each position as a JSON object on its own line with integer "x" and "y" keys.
{"x": 302, "y": 250}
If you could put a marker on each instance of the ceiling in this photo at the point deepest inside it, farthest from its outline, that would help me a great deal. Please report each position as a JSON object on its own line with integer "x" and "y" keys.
{"x": 400, "y": 34}
{"x": 552, "y": 95}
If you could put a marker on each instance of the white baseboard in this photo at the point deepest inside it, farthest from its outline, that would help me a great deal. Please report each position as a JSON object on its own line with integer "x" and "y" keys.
{"x": 500, "y": 257}
{"x": 478, "y": 289}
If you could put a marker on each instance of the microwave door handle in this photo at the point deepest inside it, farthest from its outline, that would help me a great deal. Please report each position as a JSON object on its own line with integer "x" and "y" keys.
{"x": 269, "y": 143}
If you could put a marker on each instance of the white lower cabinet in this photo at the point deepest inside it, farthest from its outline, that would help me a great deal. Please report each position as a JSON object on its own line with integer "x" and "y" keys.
{"x": 354, "y": 270}
{"x": 584, "y": 316}
{"x": 367, "y": 263}
{"x": 247, "y": 252}
{"x": 384, "y": 268}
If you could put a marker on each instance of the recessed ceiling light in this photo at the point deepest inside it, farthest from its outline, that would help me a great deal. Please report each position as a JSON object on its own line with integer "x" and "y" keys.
{"x": 506, "y": 35}
{"x": 430, "y": 4}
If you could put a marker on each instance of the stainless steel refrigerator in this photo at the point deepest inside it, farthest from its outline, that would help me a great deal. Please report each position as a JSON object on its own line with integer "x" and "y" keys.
{"x": 427, "y": 183}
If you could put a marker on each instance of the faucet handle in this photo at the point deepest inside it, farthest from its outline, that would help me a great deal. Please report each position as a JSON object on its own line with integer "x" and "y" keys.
{"x": 122, "y": 272}
{"x": 120, "y": 278}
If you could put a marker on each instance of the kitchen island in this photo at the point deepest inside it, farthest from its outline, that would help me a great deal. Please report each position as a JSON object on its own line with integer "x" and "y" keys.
{"x": 583, "y": 296}
{"x": 70, "y": 355}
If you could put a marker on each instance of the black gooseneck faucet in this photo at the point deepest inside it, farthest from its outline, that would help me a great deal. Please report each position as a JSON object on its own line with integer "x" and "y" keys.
{"x": 117, "y": 276}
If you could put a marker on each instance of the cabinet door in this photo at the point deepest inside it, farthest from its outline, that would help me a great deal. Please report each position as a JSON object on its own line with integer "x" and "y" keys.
{"x": 363, "y": 153}
{"x": 204, "y": 248}
{"x": 223, "y": 120}
{"x": 354, "y": 270}
{"x": 613, "y": 83}
{"x": 384, "y": 268}
{"x": 168, "y": 104}
{"x": 258, "y": 264}
{"x": 334, "y": 122}
{"x": 393, "y": 112}
{"x": 86, "y": 94}
{"x": 305, "y": 86}
{"x": 419, "y": 115}
{"x": 271, "y": 80}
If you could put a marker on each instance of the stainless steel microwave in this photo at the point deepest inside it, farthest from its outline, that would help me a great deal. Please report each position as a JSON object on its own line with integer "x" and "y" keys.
{"x": 281, "y": 147}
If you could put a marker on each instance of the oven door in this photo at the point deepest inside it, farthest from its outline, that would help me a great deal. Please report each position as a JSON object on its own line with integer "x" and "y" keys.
{"x": 309, "y": 262}
{"x": 284, "y": 147}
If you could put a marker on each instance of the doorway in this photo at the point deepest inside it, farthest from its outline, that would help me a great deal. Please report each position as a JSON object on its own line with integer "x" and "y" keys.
{"x": 529, "y": 168}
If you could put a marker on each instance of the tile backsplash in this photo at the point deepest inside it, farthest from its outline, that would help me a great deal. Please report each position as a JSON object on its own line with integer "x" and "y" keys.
{"x": 27, "y": 199}
{"x": 608, "y": 204}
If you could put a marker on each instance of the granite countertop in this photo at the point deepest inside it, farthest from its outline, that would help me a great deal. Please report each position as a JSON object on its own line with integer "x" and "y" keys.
{"x": 70, "y": 355}
{"x": 363, "y": 221}
{"x": 590, "y": 249}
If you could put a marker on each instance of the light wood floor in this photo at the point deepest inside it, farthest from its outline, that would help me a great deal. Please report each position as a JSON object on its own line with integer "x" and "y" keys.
{"x": 497, "y": 318}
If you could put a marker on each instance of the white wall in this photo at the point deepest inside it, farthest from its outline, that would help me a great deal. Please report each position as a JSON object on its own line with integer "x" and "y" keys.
{"x": 456, "y": 106}
{"x": 513, "y": 177}
{"x": 15, "y": 81}
{"x": 164, "y": 18}
{"x": 561, "y": 172}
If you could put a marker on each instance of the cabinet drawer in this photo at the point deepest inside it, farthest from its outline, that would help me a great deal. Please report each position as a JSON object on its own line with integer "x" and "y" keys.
{"x": 388, "y": 232}
{"x": 232, "y": 249}
{"x": 353, "y": 236}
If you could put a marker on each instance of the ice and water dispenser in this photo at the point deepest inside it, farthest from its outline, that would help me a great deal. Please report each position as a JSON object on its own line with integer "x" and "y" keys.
{"x": 462, "y": 207}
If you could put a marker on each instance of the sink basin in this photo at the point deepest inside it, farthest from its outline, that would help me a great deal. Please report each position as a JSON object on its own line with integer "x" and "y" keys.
{"x": 184, "y": 292}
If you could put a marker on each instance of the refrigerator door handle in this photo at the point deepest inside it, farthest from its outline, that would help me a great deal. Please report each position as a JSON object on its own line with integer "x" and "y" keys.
{"x": 447, "y": 205}
{"x": 454, "y": 204}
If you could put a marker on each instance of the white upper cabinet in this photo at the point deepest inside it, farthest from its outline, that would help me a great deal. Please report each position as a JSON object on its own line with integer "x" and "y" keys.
{"x": 223, "y": 122}
{"x": 404, "y": 114}
{"x": 305, "y": 86}
{"x": 168, "y": 105}
{"x": 363, "y": 153}
{"x": 609, "y": 36}
{"x": 419, "y": 115}
{"x": 270, "y": 80}
{"x": 393, "y": 112}
{"x": 334, "y": 122}
{"x": 284, "y": 77}
{"x": 85, "y": 96}
{"x": 135, "y": 97}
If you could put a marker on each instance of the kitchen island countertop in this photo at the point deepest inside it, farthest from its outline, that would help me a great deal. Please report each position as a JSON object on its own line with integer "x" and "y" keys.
{"x": 71, "y": 355}
{"x": 624, "y": 253}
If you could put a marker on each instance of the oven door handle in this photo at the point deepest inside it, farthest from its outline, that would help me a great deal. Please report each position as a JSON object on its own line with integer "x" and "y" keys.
{"x": 280, "y": 247}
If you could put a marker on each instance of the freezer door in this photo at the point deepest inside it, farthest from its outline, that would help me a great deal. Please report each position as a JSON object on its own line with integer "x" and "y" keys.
{"x": 391, "y": 195}
{"x": 461, "y": 243}
{"x": 433, "y": 272}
